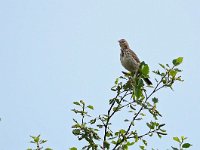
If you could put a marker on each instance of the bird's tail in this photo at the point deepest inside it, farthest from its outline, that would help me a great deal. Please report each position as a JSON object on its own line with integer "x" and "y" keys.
{"x": 147, "y": 81}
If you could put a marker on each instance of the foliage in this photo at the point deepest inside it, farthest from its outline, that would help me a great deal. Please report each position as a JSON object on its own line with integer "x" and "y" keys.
{"x": 38, "y": 142}
{"x": 137, "y": 100}
{"x": 181, "y": 142}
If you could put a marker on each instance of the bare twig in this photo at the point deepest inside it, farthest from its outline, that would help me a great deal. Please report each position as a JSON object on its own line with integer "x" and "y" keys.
{"x": 142, "y": 107}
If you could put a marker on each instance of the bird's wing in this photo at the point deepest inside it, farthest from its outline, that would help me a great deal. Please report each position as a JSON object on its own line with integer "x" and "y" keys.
{"x": 134, "y": 56}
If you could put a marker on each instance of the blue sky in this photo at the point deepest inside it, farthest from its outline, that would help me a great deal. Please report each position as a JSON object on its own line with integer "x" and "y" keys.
{"x": 55, "y": 52}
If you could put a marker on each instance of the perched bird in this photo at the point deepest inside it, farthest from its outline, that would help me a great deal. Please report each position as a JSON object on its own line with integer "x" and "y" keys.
{"x": 129, "y": 59}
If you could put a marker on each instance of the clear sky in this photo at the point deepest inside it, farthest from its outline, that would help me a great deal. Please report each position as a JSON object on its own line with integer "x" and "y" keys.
{"x": 54, "y": 52}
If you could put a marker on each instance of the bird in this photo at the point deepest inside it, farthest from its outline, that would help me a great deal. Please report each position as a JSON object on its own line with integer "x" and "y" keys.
{"x": 130, "y": 60}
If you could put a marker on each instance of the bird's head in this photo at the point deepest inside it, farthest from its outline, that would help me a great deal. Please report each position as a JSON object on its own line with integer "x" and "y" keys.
{"x": 123, "y": 44}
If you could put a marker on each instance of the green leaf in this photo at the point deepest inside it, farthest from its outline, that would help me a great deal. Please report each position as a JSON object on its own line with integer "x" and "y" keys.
{"x": 161, "y": 125}
{"x": 161, "y": 133}
{"x": 125, "y": 147}
{"x": 76, "y": 103}
{"x": 106, "y": 144}
{"x": 93, "y": 121}
{"x": 142, "y": 147}
{"x": 82, "y": 102}
{"x": 177, "y": 70}
{"x": 155, "y": 100}
{"x": 144, "y": 69}
{"x": 145, "y": 142}
{"x": 173, "y": 73}
{"x": 183, "y": 138}
{"x": 168, "y": 65}
{"x": 160, "y": 136}
{"x": 111, "y": 101}
{"x": 162, "y": 66}
{"x": 114, "y": 142}
{"x": 100, "y": 126}
{"x": 177, "y": 61}
{"x": 179, "y": 79}
{"x": 138, "y": 93}
{"x": 142, "y": 114}
{"x": 186, "y": 145}
{"x": 116, "y": 108}
{"x": 48, "y": 149}
{"x": 113, "y": 88}
{"x": 73, "y": 148}
{"x": 90, "y": 107}
{"x": 130, "y": 143}
{"x": 117, "y": 100}
{"x": 157, "y": 72}
{"x": 176, "y": 139}
{"x": 108, "y": 134}
{"x": 151, "y": 126}
{"x": 43, "y": 141}
{"x": 36, "y": 139}
{"x": 174, "y": 148}
{"x": 136, "y": 138}
{"x": 140, "y": 83}
{"x": 76, "y": 131}
{"x": 116, "y": 81}
{"x": 122, "y": 131}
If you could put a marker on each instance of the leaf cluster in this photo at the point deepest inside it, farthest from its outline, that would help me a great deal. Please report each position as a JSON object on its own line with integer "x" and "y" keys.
{"x": 38, "y": 142}
{"x": 181, "y": 142}
{"x": 133, "y": 97}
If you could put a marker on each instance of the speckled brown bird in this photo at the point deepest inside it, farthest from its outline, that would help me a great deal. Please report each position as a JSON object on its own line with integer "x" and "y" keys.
{"x": 129, "y": 59}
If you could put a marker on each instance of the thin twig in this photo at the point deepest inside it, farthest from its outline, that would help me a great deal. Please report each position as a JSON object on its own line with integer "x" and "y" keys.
{"x": 109, "y": 114}
{"x": 134, "y": 118}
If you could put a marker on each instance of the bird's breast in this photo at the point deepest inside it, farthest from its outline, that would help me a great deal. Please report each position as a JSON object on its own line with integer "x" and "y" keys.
{"x": 128, "y": 62}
